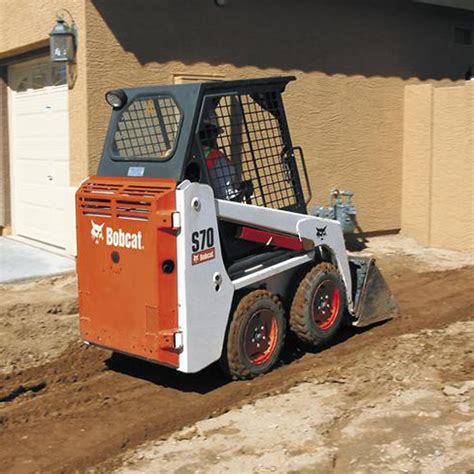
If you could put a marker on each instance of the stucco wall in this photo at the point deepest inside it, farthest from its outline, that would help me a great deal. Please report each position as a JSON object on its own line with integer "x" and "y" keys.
{"x": 352, "y": 60}
{"x": 4, "y": 161}
{"x": 438, "y": 191}
{"x": 417, "y": 163}
{"x": 24, "y": 26}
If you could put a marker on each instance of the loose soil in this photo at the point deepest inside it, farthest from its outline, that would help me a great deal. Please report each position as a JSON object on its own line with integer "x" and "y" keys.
{"x": 400, "y": 416}
{"x": 38, "y": 320}
{"x": 75, "y": 408}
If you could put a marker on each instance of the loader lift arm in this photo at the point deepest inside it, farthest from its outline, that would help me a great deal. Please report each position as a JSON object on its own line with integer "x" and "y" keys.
{"x": 304, "y": 227}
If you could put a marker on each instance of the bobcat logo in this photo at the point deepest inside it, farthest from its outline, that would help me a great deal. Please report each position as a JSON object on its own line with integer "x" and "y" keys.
{"x": 321, "y": 231}
{"x": 96, "y": 232}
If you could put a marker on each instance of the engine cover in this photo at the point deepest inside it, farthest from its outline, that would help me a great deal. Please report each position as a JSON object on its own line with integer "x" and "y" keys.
{"x": 127, "y": 266}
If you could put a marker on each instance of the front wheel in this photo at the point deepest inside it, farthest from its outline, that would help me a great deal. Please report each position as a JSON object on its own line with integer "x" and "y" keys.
{"x": 255, "y": 337}
{"x": 317, "y": 311}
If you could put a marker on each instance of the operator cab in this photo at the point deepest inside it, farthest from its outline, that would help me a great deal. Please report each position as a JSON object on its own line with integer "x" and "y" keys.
{"x": 231, "y": 135}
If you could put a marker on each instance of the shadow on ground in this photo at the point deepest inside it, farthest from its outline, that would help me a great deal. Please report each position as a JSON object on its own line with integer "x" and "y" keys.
{"x": 212, "y": 378}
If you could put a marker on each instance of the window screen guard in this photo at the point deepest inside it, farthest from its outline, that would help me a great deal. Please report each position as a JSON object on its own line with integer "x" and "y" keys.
{"x": 148, "y": 129}
{"x": 247, "y": 149}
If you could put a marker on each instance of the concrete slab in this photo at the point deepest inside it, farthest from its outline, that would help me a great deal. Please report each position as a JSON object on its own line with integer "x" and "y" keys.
{"x": 20, "y": 261}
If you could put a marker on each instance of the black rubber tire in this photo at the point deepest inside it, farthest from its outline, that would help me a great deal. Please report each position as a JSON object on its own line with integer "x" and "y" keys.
{"x": 235, "y": 361}
{"x": 302, "y": 322}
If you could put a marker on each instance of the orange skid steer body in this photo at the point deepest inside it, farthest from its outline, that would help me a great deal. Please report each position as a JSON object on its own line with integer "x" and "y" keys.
{"x": 125, "y": 233}
{"x": 184, "y": 262}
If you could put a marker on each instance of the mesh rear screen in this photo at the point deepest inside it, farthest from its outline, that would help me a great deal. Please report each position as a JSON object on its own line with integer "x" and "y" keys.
{"x": 148, "y": 128}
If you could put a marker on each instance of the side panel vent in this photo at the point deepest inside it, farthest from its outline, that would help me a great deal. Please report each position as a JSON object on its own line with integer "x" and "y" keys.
{"x": 133, "y": 209}
{"x": 95, "y": 206}
{"x": 143, "y": 190}
{"x": 123, "y": 200}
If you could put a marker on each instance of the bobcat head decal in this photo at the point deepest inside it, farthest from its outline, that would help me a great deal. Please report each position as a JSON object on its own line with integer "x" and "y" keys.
{"x": 321, "y": 231}
{"x": 96, "y": 232}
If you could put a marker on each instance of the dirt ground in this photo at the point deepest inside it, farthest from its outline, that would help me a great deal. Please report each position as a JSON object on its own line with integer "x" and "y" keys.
{"x": 400, "y": 409}
{"x": 396, "y": 397}
{"x": 40, "y": 317}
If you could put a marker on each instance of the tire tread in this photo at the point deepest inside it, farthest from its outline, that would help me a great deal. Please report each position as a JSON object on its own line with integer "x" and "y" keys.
{"x": 300, "y": 324}
{"x": 232, "y": 363}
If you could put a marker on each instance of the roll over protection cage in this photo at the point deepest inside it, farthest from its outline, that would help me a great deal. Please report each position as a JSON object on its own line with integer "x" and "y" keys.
{"x": 258, "y": 159}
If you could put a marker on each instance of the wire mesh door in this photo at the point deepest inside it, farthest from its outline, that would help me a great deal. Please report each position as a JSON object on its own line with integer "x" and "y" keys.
{"x": 247, "y": 150}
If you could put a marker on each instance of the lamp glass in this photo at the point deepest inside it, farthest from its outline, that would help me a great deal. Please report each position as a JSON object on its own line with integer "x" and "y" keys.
{"x": 114, "y": 100}
{"x": 62, "y": 47}
{"x": 62, "y": 42}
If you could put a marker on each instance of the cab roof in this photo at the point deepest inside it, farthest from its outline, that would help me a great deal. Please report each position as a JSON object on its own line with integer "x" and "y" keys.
{"x": 219, "y": 87}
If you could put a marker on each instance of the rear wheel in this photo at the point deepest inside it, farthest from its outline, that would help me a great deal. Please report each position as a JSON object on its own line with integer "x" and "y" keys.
{"x": 317, "y": 311}
{"x": 255, "y": 337}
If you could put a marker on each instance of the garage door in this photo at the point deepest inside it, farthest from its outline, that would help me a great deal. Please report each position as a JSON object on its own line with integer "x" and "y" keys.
{"x": 39, "y": 150}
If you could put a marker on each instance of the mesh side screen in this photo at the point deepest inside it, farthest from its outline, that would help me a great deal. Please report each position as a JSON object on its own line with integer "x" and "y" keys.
{"x": 245, "y": 150}
{"x": 148, "y": 128}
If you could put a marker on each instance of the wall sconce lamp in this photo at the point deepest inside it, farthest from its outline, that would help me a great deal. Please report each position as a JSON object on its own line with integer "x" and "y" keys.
{"x": 63, "y": 39}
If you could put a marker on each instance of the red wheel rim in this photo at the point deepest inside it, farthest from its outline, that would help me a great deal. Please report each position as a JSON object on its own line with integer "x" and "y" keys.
{"x": 260, "y": 337}
{"x": 325, "y": 304}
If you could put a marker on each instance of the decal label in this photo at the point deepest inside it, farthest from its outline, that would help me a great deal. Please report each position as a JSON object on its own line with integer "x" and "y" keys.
{"x": 116, "y": 238}
{"x": 321, "y": 231}
{"x": 203, "y": 256}
{"x": 96, "y": 232}
{"x": 202, "y": 245}
{"x": 136, "y": 171}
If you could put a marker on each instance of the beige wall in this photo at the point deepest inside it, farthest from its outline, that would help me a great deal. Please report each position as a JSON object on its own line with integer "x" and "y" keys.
{"x": 24, "y": 26}
{"x": 352, "y": 59}
{"x": 438, "y": 174}
{"x": 417, "y": 166}
{"x": 4, "y": 161}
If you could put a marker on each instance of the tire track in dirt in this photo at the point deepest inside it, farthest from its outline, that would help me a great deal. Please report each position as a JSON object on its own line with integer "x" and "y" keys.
{"x": 88, "y": 407}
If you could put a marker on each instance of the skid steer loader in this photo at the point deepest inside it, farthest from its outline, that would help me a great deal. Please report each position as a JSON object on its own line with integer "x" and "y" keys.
{"x": 194, "y": 244}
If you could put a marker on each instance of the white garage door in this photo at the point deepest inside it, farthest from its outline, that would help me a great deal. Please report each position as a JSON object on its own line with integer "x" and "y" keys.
{"x": 39, "y": 150}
